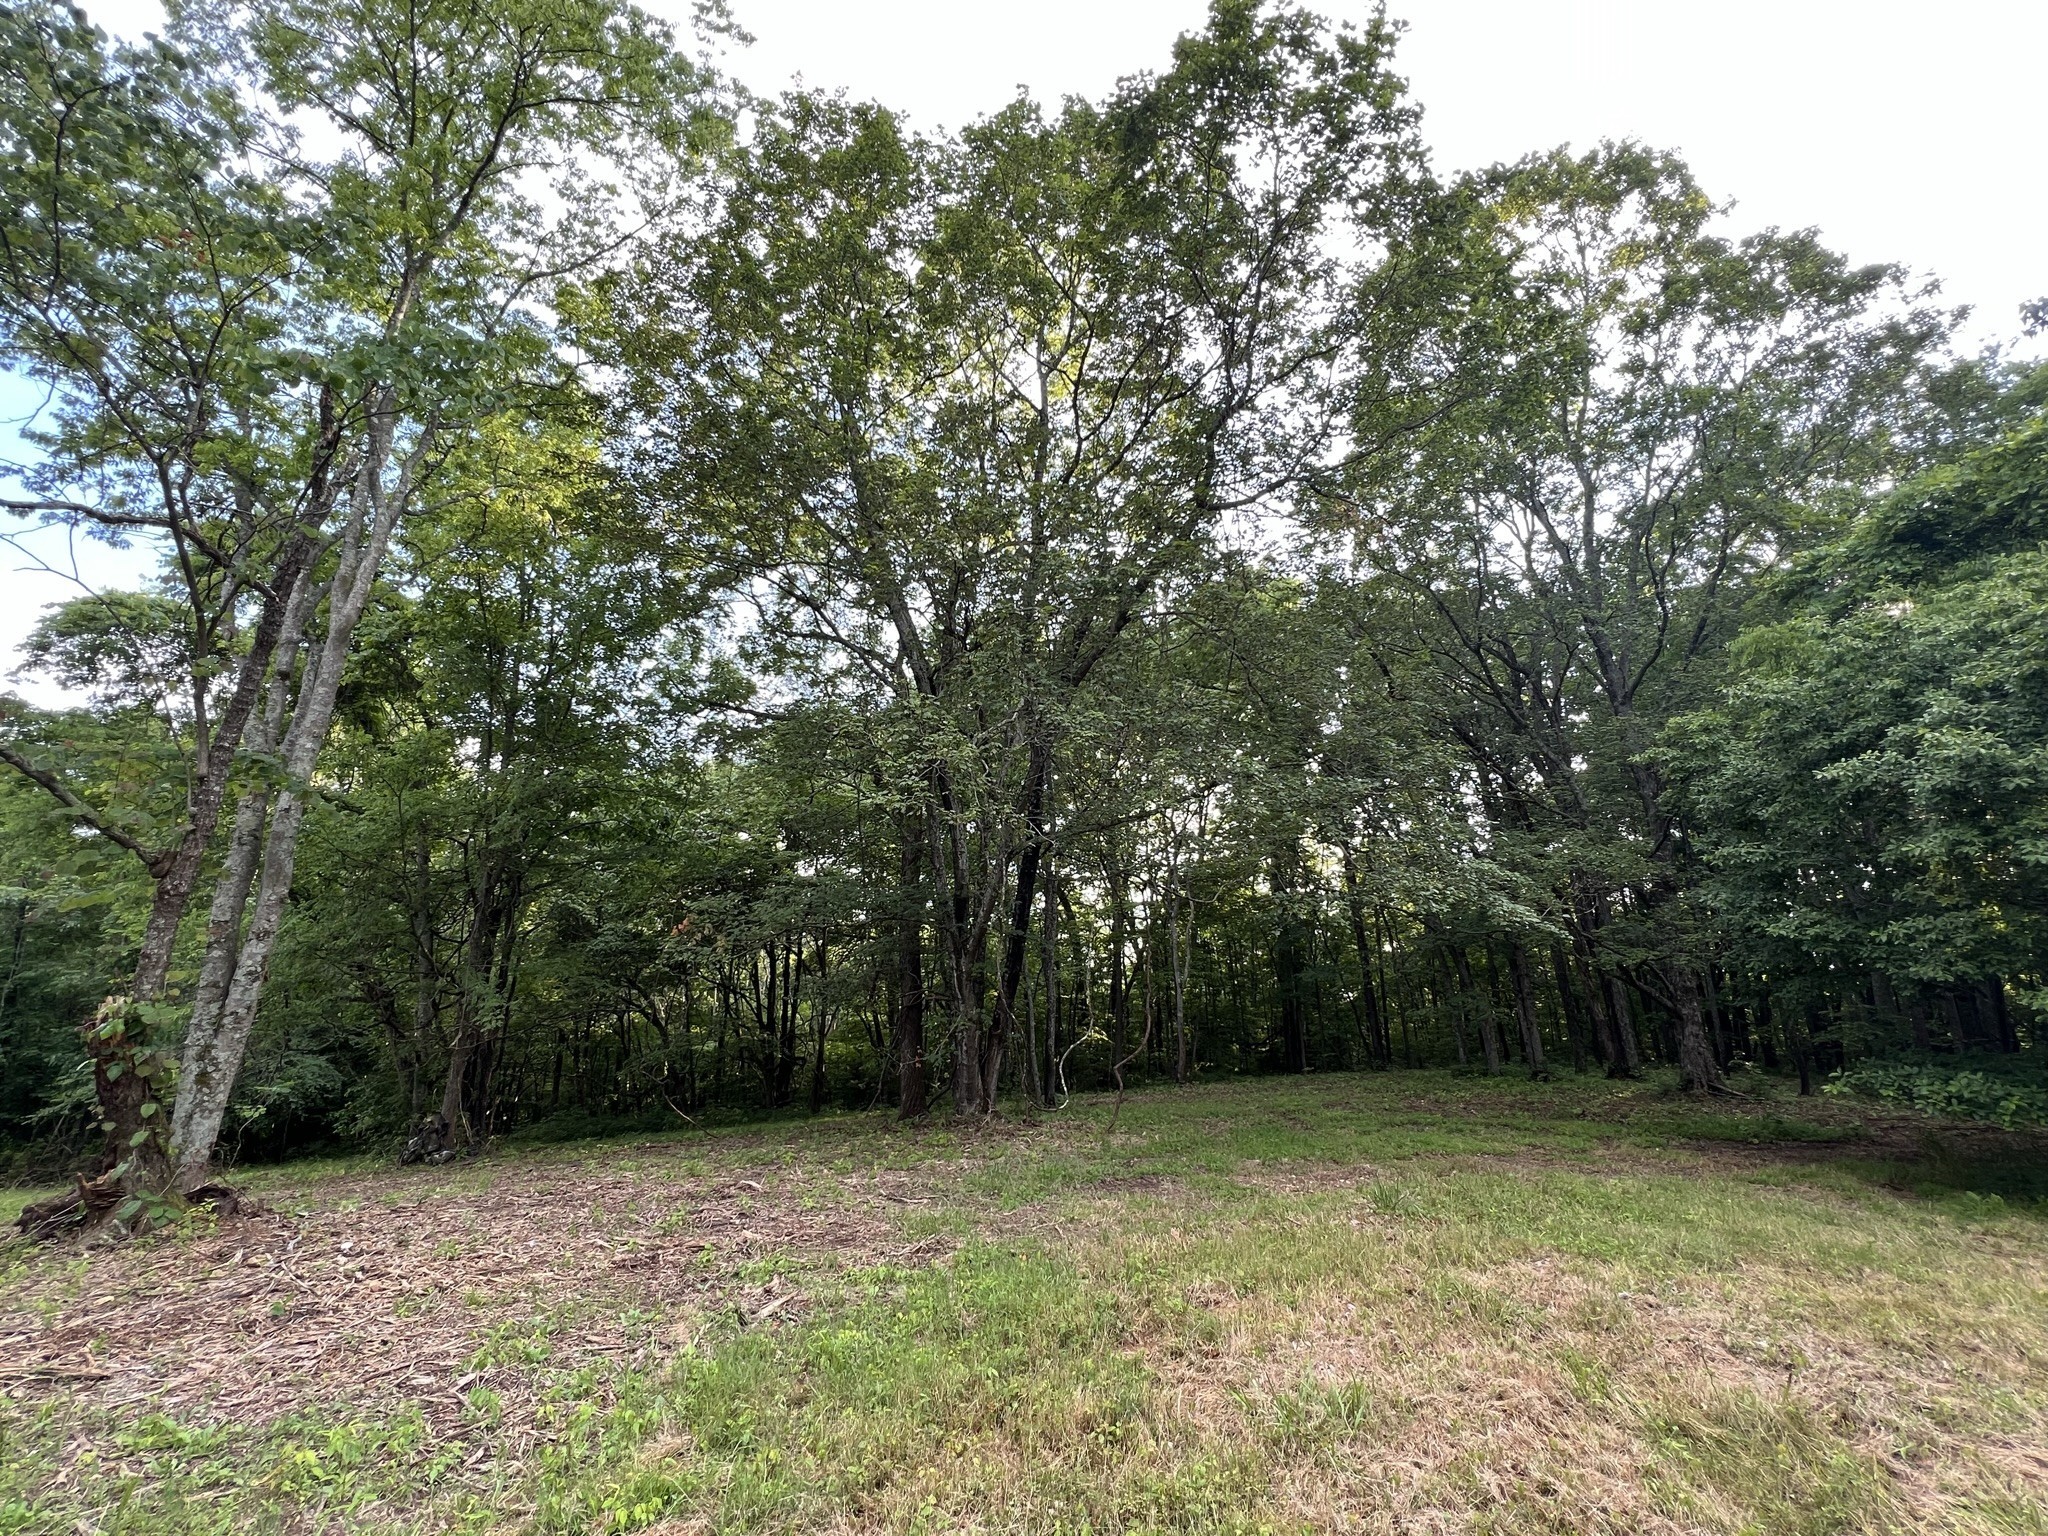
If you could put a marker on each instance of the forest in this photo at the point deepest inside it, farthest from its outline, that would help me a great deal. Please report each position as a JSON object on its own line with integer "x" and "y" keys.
{"x": 670, "y": 605}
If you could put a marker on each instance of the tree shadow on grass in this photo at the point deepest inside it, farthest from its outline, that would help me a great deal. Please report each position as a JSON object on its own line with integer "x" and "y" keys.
{"x": 2016, "y": 1175}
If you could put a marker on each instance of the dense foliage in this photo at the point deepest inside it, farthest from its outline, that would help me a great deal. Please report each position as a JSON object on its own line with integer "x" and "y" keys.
{"x": 808, "y": 613}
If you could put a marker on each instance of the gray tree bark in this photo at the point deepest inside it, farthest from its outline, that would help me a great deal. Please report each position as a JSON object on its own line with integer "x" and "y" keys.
{"x": 213, "y": 1058}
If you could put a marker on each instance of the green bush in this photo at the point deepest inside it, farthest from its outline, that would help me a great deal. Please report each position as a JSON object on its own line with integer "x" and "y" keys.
{"x": 2001, "y": 1094}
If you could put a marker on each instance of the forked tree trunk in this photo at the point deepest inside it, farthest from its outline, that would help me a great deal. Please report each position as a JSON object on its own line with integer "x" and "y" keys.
{"x": 177, "y": 874}
{"x": 213, "y": 1058}
{"x": 237, "y": 875}
{"x": 127, "y": 1084}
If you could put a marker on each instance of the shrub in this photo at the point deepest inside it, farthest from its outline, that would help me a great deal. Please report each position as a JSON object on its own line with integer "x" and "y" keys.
{"x": 2007, "y": 1095}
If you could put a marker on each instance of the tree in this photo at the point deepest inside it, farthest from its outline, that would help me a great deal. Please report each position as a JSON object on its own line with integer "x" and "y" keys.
{"x": 1636, "y": 418}
{"x": 285, "y": 349}
{"x": 957, "y": 416}
{"x": 1868, "y": 794}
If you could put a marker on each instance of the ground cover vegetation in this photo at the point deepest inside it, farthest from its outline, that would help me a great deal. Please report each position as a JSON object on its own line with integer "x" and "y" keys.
{"x": 678, "y": 607}
{"x": 1393, "y": 1301}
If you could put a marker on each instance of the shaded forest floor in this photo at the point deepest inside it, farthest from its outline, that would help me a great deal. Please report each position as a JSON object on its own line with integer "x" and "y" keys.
{"x": 1411, "y": 1302}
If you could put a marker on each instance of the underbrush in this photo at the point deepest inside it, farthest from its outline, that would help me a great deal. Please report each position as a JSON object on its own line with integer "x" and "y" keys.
{"x": 1996, "y": 1090}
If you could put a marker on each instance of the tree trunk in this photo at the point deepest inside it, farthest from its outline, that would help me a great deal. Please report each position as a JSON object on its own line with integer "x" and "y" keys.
{"x": 1380, "y": 1046}
{"x": 1290, "y": 964}
{"x": 214, "y": 1060}
{"x": 1179, "y": 976}
{"x": 1525, "y": 1009}
{"x": 132, "y": 1111}
{"x": 820, "y": 1022}
{"x": 1800, "y": 1038}
{"x": 786, "y": 1025}
{"x": 995, "y": 1040}
{"x": 129, "y": 1078}
{"x": 1451, "y": 1002}
{"x": 966, "y": 1057}
{"x": 178, "y": 874}
{"x": 1119, "y": 994}
{"x": 231, "y": 889}
{"x": 459, "y": 1054}
{"x": 1469, "y": 996}
{"x": 1568, "y": 1004}
{"x": 1697, "y": 1070}
{"x": 1626, "y": 1058}
{"x": 1049, "y": 971}
{"x": 908, "y": 1043}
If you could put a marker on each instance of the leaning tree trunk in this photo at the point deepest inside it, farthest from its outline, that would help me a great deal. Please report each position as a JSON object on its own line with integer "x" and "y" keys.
{"x": 127, "y": 1082}
{"x": 213, "y": 1059}
{"x": 177, "y": 872}
{"x": 238, "y": 872}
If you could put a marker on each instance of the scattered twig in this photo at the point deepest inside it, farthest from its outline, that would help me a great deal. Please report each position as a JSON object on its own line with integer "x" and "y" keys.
{"x": 52, "y": 1373}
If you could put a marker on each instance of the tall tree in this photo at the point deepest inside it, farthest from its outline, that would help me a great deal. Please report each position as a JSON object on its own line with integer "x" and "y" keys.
{"x": 1640, "y": 417}
{"x": 957, "y": 415}
{"x": 265, "y": 356}
{"x": 1868, "y": 794}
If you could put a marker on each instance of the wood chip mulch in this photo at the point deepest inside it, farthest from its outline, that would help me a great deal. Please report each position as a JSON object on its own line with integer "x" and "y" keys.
{"x": 420, "y": 1288}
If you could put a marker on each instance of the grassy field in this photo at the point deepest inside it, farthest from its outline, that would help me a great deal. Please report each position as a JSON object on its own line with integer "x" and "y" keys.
{"x": 1405, "y": 1303}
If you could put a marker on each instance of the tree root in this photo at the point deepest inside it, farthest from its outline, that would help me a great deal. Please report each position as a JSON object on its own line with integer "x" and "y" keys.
{"x": 90, "y": 1205}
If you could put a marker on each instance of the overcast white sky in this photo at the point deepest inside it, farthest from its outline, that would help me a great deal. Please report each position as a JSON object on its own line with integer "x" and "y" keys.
{"x": 1904, "y": 132}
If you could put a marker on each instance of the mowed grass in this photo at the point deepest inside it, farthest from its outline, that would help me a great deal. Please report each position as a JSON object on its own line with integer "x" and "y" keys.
{"x": 1413, "y": 1302}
